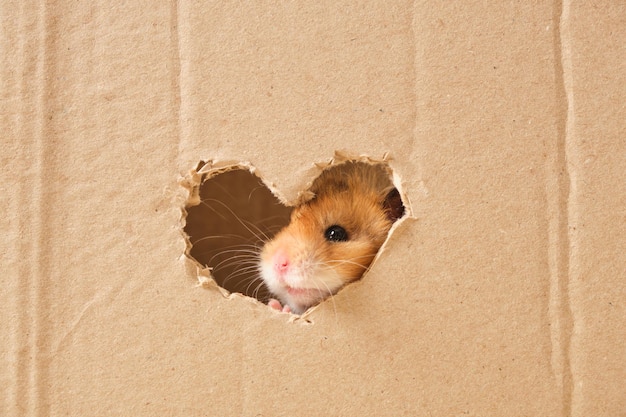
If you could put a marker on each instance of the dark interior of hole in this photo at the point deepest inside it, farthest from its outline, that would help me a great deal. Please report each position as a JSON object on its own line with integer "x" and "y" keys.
{"x": 227, "y": 230}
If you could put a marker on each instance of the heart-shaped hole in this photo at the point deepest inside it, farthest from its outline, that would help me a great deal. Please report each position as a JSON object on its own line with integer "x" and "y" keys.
{"x": 292, "y": 258}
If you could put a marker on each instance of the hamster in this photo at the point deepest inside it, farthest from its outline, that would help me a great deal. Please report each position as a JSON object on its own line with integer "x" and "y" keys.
{"x": 332, "y": 238}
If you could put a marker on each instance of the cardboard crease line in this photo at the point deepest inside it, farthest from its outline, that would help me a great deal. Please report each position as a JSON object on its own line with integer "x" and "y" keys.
{"x": 559, "y": 205}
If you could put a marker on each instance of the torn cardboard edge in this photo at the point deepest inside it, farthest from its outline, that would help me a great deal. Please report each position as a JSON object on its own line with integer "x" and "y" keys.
{"x": 209, "y": 168}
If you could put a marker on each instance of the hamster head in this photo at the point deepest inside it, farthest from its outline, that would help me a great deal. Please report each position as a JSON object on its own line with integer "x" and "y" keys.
{"x": 331, "y": 239}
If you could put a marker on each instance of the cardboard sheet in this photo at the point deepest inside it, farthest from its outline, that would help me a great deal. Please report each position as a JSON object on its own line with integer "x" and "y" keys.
{"x": 500, "y": 294}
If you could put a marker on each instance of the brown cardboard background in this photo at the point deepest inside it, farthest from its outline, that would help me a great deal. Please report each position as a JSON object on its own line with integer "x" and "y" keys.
{"x": 502, "y": 296}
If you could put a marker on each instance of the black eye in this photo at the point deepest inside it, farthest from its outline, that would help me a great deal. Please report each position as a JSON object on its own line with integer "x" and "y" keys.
{"x": 336, "y": 234}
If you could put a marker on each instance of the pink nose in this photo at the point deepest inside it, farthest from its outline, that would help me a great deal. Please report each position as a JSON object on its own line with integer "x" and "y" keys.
{"x": 281, "y": 262}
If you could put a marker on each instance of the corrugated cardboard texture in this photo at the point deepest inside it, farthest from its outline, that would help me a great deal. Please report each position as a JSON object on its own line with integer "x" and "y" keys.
{"x": 501, "y": 295}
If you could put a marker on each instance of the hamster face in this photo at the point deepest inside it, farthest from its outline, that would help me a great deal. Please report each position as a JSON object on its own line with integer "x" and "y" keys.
{"x": 331, "y": 240}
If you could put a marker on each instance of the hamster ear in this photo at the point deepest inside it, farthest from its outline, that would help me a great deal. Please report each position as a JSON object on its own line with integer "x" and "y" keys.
{"x": 393, "y": 205}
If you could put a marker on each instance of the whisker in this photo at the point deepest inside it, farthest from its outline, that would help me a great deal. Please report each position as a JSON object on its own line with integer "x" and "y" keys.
{"x": 241, "y": 275}
{"x": 234, "y": 259}
{"x": 351, "y": 261}
{"x": 332, "y": 297}
{"x": 256, "y": 293}
{"x": 240, "y": 271}
{"x": 246, "y": 224}
{"x": 249, "y": 252}
{"x": 255, "y": 279}
{"x": 228, "y": 236}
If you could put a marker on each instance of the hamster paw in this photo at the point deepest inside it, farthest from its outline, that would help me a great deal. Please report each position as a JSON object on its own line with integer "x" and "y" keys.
{"x": 276, "y": 305}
